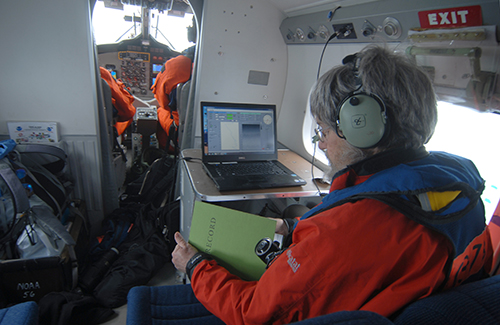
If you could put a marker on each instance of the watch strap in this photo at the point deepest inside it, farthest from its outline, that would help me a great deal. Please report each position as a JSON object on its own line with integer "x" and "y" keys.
{"x": 194, "y": 261}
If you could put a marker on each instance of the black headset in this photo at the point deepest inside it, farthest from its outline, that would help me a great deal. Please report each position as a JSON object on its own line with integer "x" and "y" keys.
{"x": 361, "y": 118}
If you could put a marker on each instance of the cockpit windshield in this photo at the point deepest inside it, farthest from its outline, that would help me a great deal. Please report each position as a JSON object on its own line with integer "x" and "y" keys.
{"x": 114, "y": 22}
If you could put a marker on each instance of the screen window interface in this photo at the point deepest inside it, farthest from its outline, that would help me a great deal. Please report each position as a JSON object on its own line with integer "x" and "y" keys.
{"x": 232, "y": 131}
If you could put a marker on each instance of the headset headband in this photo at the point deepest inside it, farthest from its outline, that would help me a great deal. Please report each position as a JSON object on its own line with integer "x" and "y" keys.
{"x": 355, "y": 60}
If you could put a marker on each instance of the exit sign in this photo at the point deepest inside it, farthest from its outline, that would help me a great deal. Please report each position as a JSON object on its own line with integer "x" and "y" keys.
{"x": 451, "y": 17}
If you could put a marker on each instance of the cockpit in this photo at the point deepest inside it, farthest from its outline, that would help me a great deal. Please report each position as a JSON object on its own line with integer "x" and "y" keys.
{"x": 133, "y": 41}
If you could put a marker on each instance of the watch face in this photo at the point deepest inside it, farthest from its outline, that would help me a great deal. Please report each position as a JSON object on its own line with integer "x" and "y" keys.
{"x": 268, "y": 119}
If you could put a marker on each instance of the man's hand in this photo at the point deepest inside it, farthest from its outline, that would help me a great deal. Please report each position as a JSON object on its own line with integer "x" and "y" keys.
{"x": 281, "y": 227}
{"x": 182, "y": 252}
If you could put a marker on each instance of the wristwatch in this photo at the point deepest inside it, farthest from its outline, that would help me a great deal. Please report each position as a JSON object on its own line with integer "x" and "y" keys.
{"x": 290, "y": 223}
{"x": 194, "y": 261}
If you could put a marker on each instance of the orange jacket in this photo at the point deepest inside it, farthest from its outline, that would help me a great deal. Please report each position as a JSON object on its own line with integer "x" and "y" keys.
{"x": 339, "y": 262}
{"x": 122, "y": 101}
{"x": 177, "y": 70}
{"x": 359, "y": 255}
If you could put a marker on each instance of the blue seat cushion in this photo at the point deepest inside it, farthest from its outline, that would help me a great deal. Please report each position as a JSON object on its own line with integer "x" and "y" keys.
{"x": 472, "y": 303}
{"x": 166, "y": 305}
{"x": 25, "y": 313}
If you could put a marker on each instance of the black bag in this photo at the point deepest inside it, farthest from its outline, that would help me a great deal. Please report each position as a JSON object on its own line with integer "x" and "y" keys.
{"x": 155, "y": 186}
{"x": 143, "y": 253}
{"x": 61, "y": 308}
{"x": 148, "y": 243}
{"x": 102, "y": 251}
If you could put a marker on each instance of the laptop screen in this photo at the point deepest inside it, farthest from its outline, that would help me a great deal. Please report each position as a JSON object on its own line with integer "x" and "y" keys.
{"x": 238, "y": 132}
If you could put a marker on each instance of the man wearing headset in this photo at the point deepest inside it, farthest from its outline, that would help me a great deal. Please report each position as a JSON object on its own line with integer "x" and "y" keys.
{"x": 399, "y": 223}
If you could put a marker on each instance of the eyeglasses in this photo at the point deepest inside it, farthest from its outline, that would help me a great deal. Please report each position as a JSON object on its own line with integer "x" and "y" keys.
{"x": 320, "y": 133}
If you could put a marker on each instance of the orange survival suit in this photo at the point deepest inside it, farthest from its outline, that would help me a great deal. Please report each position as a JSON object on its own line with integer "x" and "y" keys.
{"x": 177, "y": 70}
{"x": 122, "y": 101}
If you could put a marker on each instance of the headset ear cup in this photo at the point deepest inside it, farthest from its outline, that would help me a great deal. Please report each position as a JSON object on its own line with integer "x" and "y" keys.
{"x": 362, "y": 120}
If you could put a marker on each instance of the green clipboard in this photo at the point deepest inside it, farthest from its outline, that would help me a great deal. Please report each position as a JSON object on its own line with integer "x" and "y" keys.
{"x": 230, "y": 237}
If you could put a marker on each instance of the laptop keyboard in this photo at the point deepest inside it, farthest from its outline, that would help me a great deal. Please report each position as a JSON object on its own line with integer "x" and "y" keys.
{"x": 259, "y": 168}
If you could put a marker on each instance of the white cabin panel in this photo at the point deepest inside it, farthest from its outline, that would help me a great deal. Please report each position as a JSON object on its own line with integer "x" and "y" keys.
{"x": 243, "y": 56}
{"x": 46, "y": 65}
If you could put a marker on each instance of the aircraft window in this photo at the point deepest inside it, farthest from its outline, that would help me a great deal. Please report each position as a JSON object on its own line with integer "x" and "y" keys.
{"x": 171, "y": 29}
{"x": 474, "y": 135}
{"x": 461, "y": 131}
{"x": 113, "y": 25}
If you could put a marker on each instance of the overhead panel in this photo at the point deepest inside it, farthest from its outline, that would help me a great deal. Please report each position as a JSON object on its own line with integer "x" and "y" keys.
{"x": 384, "y": 21}
{"x": 455, "y": 41}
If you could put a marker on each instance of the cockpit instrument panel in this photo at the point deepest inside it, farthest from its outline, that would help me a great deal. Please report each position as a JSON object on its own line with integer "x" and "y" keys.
{"x": 135, "y": 64}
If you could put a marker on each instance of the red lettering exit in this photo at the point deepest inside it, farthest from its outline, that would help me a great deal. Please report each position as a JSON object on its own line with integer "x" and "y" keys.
{"x": 451, "y": 17}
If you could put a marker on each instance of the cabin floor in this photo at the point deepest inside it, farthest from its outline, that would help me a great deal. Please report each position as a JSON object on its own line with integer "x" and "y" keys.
{"x": 168, "y": 275}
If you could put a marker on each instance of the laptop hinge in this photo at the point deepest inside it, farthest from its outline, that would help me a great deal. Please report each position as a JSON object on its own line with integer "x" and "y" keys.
{"x": 223, "y": 163}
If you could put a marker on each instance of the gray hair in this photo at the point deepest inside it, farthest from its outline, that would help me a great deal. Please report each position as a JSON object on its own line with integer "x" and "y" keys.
{"x": 405, "y": 89}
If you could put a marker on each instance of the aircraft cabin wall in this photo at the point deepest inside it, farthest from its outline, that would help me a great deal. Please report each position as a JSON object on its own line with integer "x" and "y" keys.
{"x": 45, "y": 65}
{"x": 242, "y": 57}
{"x": 238, "y": 37}
{"x": 305, "y": 33}
{"x": 48, "y": 75}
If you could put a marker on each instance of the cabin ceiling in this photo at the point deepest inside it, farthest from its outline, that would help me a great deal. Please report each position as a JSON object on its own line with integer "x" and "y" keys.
{"x": 298, "y": 7}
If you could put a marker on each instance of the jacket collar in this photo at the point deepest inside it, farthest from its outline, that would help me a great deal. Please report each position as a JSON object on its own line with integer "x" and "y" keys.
{"x": 384, "y": 160}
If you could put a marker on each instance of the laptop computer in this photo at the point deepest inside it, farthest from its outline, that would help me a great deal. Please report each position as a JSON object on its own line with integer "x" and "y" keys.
{"x": 236, "y": 139}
